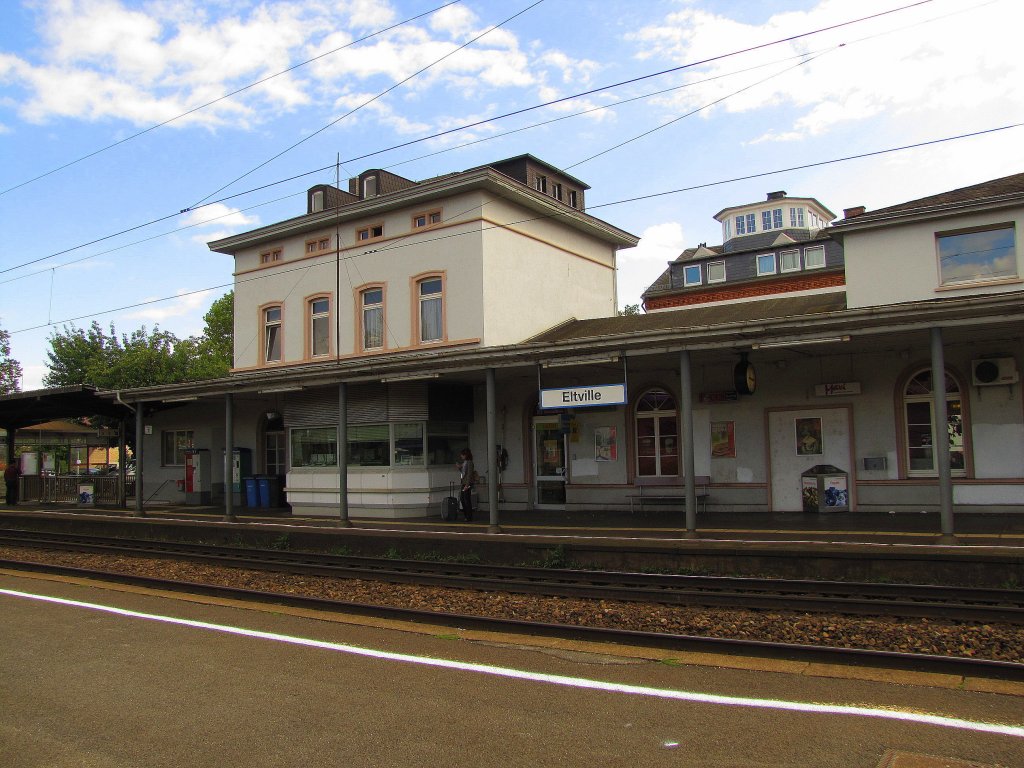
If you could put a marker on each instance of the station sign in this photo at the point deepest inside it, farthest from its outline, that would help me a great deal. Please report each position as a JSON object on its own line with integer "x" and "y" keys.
{"x": 584, "y": 397}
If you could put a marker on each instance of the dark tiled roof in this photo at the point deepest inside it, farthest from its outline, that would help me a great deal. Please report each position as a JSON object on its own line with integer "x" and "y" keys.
{"x": 696, "y": 317}
{"x": 1007, "y": 186}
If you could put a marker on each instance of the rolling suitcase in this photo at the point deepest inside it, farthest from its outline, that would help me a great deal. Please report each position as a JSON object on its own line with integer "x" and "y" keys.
{"x": 450, "y": 506}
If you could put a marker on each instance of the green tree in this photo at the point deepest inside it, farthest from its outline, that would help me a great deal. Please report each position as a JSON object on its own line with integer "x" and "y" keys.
{"x": 10, "y": 369}
{"x": 106, "y": 360}
{"x": 140, "y": 359}
{"x": 630, "y": 309}
{"x": 213, "y": 353}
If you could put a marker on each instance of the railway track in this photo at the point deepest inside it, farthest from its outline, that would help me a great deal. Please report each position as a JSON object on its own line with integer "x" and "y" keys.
{"x": 967, "y": 604}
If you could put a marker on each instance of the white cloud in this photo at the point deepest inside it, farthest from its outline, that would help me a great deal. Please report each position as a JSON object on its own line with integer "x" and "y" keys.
{"x": 901, "y": 66}
{"x": 218, "y": 214}
{"x": 187, "y": 309}
{"x": 642, "y": 265}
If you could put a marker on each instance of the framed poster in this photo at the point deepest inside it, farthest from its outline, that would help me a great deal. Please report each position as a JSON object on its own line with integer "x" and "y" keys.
{"x": 723, "y": 440}
{"x": 605, "y": 444}
{"x": 808, "y": 437}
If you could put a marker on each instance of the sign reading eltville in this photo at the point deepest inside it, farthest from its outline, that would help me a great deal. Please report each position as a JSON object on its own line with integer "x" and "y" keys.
{"x": 583, "y": 397}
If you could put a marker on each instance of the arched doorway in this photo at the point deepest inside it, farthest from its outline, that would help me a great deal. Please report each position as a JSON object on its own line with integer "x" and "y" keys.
{"x": 657, "y": 435}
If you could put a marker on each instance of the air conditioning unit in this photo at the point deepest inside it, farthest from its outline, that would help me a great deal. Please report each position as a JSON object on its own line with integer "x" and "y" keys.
{"x": 993, "y": 371}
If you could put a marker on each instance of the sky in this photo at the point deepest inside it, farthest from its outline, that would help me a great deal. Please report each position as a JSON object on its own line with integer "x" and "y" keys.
{"x": 132, "y": 133}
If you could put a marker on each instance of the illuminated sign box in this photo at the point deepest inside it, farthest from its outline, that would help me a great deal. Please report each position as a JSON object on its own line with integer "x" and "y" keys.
{"x": 583, "y": 397}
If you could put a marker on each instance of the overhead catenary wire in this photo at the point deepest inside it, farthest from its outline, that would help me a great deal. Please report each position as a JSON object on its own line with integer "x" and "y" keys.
{"x": 369, "y": 101}
{"x": 624, "y": 201}
{"x": 463, "y": 127}
{"x": 233, "y": 93}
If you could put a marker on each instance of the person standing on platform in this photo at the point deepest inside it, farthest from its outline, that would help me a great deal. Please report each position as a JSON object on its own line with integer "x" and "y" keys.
{"x": 11, "y": 475}
{"x": 467, "y": 479}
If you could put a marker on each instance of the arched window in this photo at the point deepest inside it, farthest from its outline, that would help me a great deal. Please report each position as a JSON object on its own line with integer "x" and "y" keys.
{"x": 372, "y": 317}
{"x": 918, "y": 414}
{"x": 657, "y": 435}
{"x": 430, "y": 315}
{"x": 272, "y": 334}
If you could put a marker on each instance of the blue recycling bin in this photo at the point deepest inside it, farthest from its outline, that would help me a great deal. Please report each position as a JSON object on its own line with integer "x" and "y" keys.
{"x": 252, "y": 496}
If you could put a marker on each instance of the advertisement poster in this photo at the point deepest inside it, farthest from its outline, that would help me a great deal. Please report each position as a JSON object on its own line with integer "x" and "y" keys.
{"x": 808, "y": 437}
{"x": 723, "y": 440}
{"x": 605, "y": 445}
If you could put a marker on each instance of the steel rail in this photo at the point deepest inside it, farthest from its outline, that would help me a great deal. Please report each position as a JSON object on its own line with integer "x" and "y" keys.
{"x": 919, "y": 601}
{"x": 928, "y": 663}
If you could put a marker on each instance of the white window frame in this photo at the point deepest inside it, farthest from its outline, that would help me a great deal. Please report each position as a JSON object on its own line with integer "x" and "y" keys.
{"x": 712, "y": 269}
{"x": 270, "y": 325}
{"x": 953, "y": 279}
{"x": 323, "y": 316}
{"x": 782, "y": 260}
{"x": 766, "y": 220}
{"x": 815, "y": 249}
{"x": 741, "y": 225}
{"x": 761, "y": 272}
{"x": 751, "y": 223}
{"x": 687, "y": 271}
{"x": 777, "y": 218}
{"x": 421, "y": 301}
{"x": 376, "y": 306}
{"x": 796, "y": 217}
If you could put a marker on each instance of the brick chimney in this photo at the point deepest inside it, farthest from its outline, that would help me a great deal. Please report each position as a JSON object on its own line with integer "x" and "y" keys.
{"x": 857, "y": 210}
{"x": 776, "y": 195}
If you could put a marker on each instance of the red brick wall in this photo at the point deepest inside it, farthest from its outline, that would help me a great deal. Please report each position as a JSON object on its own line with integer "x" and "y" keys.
{"x": 803, "y": 282}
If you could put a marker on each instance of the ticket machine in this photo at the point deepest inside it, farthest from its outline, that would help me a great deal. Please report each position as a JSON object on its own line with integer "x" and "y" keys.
{"x": 198, "y": 480}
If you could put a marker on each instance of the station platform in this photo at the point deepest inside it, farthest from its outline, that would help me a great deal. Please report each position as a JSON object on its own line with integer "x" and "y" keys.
{"x": 911, "y": 528}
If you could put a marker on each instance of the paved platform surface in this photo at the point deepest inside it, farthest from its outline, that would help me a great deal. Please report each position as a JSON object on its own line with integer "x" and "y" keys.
{"x": 923, "y": 528}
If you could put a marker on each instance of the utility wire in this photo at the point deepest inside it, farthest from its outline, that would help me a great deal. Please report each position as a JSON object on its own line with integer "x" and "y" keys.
{"x": 369, "y": 101}
{"x": 692, "y": 112}
{"x": 679, "y": 190}
{"x": 462, "y": 128}
{"x": 226, "y": 96}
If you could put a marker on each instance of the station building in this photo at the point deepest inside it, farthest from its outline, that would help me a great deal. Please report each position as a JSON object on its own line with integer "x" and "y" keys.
{"x": 396, "y": 322}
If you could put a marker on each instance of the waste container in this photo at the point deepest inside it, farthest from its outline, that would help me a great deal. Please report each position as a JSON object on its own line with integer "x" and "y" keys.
{"x": 252, "y": 494}
{"x": 825, "y": 488}
{"x": 270, "y": 490}
{"x": 87, "y": 495}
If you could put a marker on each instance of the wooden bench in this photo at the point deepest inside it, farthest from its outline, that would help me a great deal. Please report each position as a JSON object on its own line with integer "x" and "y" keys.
{"x": 659, "y": 494}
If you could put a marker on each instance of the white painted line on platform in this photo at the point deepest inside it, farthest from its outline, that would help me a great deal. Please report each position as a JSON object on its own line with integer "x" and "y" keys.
{"x": 538, "y": 677}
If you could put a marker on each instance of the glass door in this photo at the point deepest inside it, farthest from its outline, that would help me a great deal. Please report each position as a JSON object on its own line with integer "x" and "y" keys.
{"x": 549, "y": 463}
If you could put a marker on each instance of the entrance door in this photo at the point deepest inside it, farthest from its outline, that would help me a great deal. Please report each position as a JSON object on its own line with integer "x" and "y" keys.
{"x": 549, "y": 463}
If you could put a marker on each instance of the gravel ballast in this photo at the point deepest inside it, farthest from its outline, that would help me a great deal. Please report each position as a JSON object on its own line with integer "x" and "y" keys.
{"x": 999, "y": 642}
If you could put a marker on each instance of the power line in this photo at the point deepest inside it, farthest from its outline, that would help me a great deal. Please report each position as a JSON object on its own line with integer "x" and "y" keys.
{"x": 624, "y": 201}
{"x": 466, "y": 126}
{"x": 226, "y": 96}
{"x": 369, "y": 101}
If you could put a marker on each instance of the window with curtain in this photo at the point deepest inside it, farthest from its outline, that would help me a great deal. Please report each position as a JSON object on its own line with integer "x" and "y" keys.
{"x": 431, "y": 309}
{"x": 320, "y": 327}
{"x": 373, "y": 318}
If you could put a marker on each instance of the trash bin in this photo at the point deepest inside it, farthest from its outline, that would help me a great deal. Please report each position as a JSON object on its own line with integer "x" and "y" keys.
{"x": 269, "y": 490}
{"x": 252, "y": 495}
{"x": 825, "y": 488}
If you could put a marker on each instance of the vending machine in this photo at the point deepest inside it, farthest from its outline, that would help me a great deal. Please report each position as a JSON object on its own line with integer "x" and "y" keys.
{"x": 198, "y": 480}
{"x": 241, "y": 468}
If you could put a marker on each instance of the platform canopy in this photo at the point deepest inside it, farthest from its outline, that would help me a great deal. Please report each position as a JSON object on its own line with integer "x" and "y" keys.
{"x": 19, "y": 410}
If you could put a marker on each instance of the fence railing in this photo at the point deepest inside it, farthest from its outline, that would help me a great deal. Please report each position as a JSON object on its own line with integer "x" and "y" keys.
{"x": 49, "y": 489}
